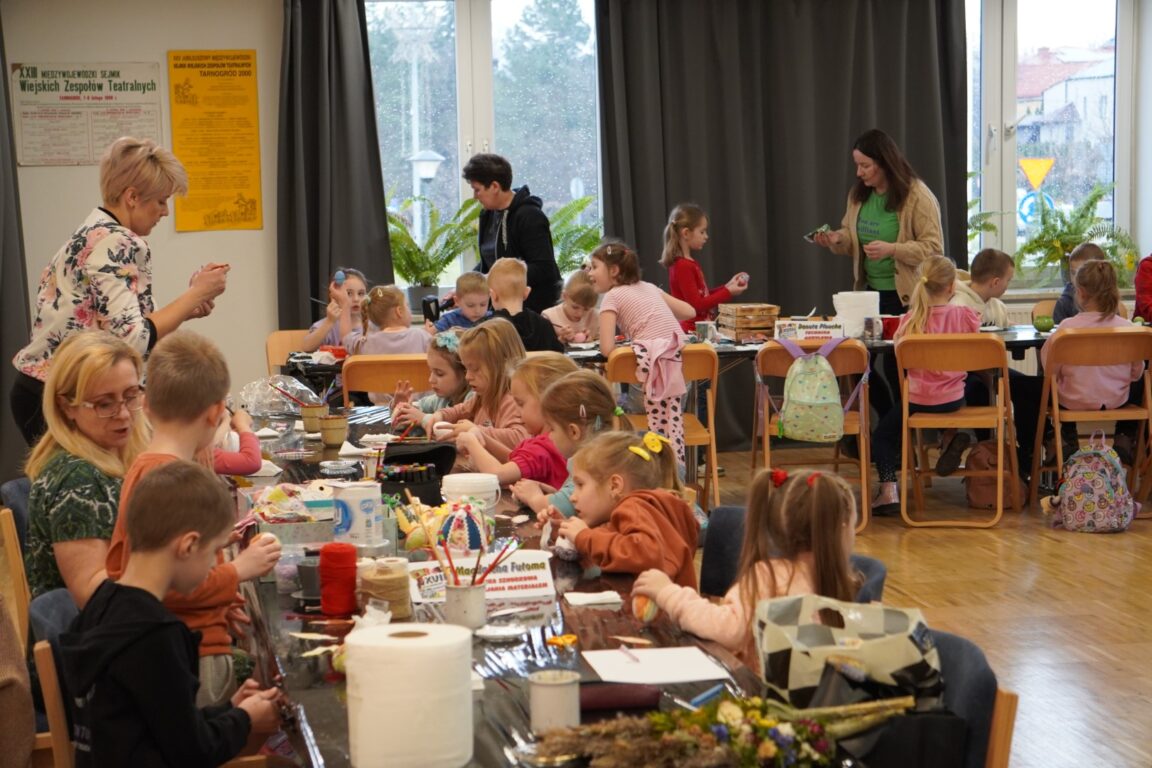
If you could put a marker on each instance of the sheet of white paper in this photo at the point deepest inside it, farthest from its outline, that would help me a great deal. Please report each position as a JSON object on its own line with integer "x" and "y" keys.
{"x": 350, "y": 450}
{"x": 656, "y": 666}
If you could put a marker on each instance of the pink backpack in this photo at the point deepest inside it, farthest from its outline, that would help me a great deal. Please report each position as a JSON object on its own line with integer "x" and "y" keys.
{"x": 1093, "y": 496}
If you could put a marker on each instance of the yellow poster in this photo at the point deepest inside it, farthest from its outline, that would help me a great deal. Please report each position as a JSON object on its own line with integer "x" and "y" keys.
{"x": 216, "y": 135}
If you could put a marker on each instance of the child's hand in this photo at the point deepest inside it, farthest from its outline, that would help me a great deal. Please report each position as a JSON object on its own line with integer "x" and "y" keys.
{"x": 572, "y": 527}
{"x": 462, "y": 426}
{"x": 563, "y": 333}
{"x": 547, "y": 513}
{"x": 403, "y": 392}
{"x": 263, "y": 708}
{"x": 404, "y": 414}
{"x": 333, "y": 311}
{"x": 242, "y": 421}
{"x": 650, "y": 582}
{"x": 430, "y": 328}
{"x": 258, "y": 558}
{"x": 337, "y": 294}
{"x": 737, "y": 285}
{"x": 528, "y": 493}
{"x": 237, "y": 619}
{"x": 249, "y": 688}
{"x": 469, "y": 441}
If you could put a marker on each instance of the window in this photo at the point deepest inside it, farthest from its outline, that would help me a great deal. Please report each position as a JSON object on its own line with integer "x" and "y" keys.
{"x": 515, "y": 77}
{"x": 1043, "y": 114}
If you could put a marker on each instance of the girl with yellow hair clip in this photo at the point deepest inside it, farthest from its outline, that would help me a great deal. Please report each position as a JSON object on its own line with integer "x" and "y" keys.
{"x": 630, "y": 513}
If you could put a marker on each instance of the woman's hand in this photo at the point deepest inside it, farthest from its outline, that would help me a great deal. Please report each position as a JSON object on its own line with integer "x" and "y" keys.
{"x": 828, "y": 239}
{"x": 650, "y": 582}
{"x": 208, "y": 282}
{"x": 878, "y": 249}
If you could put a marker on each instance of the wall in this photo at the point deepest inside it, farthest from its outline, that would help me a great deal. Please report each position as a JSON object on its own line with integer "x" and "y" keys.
{"x": 54, "y": 200}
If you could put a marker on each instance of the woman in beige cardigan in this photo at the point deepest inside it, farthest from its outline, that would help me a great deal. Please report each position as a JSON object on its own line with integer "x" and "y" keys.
{"x": 892, "y": 222}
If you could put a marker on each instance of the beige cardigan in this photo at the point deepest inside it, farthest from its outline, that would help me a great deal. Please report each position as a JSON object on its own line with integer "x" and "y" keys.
{"x": 920, "y": 237}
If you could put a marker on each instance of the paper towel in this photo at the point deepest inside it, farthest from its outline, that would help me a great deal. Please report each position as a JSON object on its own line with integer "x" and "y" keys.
{"x": 410, "y": 696}
{"x": 852, "y": 307}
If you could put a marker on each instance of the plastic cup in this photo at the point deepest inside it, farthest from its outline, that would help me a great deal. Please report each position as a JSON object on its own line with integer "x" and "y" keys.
{"x": 554, "y": 699}
{"x": 465, "y": 605}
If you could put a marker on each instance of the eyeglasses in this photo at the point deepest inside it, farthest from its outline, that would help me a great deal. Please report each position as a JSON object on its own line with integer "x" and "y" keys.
{"x": 107, "y": 409}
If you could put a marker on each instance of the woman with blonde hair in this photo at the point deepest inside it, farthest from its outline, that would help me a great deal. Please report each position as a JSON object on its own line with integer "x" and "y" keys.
{"x": 102, "y": 276}
{"x": 92, "y": 403}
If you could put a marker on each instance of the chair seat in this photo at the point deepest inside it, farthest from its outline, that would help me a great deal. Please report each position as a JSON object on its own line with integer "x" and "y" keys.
{"x": 1109, "y": 414}
{"x": 965, "y": 418}
{"x": 851, "y": 423}
{"x": 695, "y": 433}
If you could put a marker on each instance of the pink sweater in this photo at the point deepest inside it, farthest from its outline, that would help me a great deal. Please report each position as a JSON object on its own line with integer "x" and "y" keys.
{"x": 1092, "y": 387}
{"x": 939, "y": 387}
{"x": 242, "y": 462}
{"x": 727, "y": 622}
{"x": 506, "y": 427}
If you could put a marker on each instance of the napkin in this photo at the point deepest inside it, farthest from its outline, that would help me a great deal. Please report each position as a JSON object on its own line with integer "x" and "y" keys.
{"x": 267, "y": 469}
{"x": 608, "y": 597}
{"x": 267, "y": 432}
{"x": 350, "y": 450}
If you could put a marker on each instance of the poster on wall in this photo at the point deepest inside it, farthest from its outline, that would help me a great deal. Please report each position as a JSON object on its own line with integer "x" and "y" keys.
{"x": 68, "y": 114}
{"x": 216, "y": 134}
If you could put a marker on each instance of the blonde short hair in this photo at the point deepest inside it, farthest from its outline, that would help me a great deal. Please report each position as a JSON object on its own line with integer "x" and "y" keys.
{"x": 580, "y": 291}
{"x": 471, "y": 282}
{"x": 187, "y": 375}
{"x": 508, "y": 278}
{"x": 151, "y": 170}
{"x": 379, "y": 305}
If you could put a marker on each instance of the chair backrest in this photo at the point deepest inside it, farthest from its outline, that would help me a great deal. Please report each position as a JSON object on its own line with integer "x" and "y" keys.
{"x": 850, "y": 357}
{"x": 13, "y": 582}
{"x": 951, "y": 352}
{"x": 700, "y": 363}
{"x": 621, "y": 366}
{"x": 1044, "y": 307}
{"x": 970, "y": 691}
{"x": 381, "y": 373}
{"x": 14, "y": 495}
{"x": 279, "y": 345}
{"x": 1099, "y": 346}
{"x": 63, "y": 755}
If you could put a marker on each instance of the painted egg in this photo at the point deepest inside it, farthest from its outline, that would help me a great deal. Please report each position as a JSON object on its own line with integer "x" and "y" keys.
{"x": 644, "y": 608}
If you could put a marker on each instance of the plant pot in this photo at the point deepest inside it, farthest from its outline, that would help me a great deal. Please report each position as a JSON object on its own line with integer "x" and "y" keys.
{"x": 416, "y": 294}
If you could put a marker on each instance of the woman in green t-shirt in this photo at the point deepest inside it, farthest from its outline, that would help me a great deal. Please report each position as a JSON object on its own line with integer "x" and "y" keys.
{"x": 92, "y": 403}
{"x": 892, "y": 222}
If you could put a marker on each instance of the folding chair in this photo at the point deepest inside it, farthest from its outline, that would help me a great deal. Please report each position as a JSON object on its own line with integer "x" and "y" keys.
{"x": 1096, "y": 346}
{"x": 700, "y": 364}
{"x": 13, "y": 580}
{"x": 1044, "y": 307}
{"x": 850, "y": 358}
{"x": 957, "y": 352}
{"x": 381, "y": 373}
{"x": 279, "y": 345}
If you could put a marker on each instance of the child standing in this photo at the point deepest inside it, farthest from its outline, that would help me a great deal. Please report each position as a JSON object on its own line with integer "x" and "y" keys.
{"x": 187, "y": 385}
{"x": 651, "y": 319}
{"x": 346, "y": 292}
{"x": 386, "y": 308}
{"x": 1094, "y": 387}
{"x": 928, "y": 391}
{"x": 575, "y": 318}
{"x": 1066, "y": 306}
{"x": 508, "y": 287}
{"x": 471, "y": 301}
{"x": 130, "y": 665}
{"x": 488, "y": 352}
{"x": 445, "y": 376}
{"x": 799, "y": 533}
{"x": 575, "y": 409}
{"x": 687, "y": 231}
{"x": 625, "y": 521}
{"x": 536, "y": 458}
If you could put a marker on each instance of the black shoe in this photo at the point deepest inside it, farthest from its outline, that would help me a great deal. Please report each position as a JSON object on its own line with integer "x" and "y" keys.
{"x": 849, "y": 447}
{"x": 949, "y": 460}
{"x": 891, "y": 509}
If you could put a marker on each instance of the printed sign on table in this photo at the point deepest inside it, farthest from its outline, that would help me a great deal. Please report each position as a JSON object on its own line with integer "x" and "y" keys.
{"x": 526, "y": 573}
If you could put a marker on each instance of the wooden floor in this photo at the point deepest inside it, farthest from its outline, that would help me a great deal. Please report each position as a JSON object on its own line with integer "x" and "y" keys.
{"x": 1064, "y": 618}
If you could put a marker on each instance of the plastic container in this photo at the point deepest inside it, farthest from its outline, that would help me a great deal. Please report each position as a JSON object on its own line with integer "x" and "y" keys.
{"x": 479, "y": 485}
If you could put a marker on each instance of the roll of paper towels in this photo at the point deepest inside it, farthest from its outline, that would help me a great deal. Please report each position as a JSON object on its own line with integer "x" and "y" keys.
{"x": 852, "y": 307}
{"x": 410, "y": 696}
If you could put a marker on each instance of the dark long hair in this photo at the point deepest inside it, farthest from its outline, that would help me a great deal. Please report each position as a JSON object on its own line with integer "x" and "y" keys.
{"x": 879, "y": 146}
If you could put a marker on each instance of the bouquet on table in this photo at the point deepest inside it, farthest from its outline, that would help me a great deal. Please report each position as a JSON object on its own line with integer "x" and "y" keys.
{"x": 730, "y": 733}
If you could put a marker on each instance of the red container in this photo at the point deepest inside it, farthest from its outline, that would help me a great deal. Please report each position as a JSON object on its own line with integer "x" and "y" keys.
{"x": 891, "y": 323}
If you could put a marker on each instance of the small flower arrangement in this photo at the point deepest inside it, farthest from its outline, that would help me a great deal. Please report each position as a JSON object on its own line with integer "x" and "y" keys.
{"x": 730, "y": 733}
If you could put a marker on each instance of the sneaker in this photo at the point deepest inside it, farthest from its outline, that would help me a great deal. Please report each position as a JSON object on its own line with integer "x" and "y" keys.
{"x": 949, "y": 460}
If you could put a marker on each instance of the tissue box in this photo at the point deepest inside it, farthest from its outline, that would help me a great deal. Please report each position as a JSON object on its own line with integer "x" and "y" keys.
{"x": 798, "y": 330}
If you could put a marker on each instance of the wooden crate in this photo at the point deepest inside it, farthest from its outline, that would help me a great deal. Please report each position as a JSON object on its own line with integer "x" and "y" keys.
{"x": 748, "y": 310}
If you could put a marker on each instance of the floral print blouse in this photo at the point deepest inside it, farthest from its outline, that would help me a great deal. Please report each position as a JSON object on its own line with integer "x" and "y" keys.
{"x": 101, "y": 278}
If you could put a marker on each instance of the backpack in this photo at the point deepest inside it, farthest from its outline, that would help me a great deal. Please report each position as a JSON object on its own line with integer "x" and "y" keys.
{"x": 981, "y": 491}
{"x": 1093, "y": 495}
{"x": 812, "y": 411}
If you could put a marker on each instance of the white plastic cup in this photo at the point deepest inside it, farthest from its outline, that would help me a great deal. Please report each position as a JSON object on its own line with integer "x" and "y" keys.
{"x": 554, "y": 699}
{"x": 465, "y": 605}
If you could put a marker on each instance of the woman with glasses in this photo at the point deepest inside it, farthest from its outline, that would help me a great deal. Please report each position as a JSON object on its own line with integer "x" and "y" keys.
{"x": 92, "y": 403}
{"x": 102, "y": 276}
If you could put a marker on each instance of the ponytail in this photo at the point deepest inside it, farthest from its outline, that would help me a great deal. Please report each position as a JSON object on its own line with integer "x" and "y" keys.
{"x": 935, "y": 275}
{"x": 685, "y": 215}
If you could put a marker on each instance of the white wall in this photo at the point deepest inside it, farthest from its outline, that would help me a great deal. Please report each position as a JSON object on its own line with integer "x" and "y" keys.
{"x": 54, "y": 201}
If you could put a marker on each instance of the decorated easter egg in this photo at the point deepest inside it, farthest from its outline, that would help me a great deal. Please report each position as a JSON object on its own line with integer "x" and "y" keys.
{"x": 463, "y": 528}
{"x": 262, "y": 536}
{"x": 644, "y": 608}
{"x": 339, "y": 277}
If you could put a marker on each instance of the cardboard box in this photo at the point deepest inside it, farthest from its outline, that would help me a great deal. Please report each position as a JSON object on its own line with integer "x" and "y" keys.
{"x": 798, "y": 330}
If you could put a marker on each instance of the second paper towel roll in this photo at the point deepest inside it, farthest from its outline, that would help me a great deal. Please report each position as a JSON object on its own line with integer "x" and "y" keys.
{"x": 410, "y": 696}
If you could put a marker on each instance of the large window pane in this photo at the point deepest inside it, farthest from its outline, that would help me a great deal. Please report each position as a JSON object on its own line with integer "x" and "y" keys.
{"x": 973, "y": 21}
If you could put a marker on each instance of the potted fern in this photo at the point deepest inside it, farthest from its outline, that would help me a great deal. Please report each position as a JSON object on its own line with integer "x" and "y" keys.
{"x": 573, "y": 240}
{"x": 1059, "y": 232}
{"x": 421, "y": 264}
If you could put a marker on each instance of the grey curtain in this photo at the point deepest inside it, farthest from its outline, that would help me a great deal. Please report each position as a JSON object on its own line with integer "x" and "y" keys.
{"x": 14, "y": 329}
{"x": 330, "y": 193}
{"x": 750, "y": 108}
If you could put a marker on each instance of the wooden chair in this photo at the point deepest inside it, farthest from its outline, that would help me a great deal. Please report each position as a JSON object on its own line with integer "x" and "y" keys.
{"x": 1000, "y": 735}
{"x": 1044, "y": 307}
{"x": 13, "y": 581}
{"x": 850, "y": 358}
{"x": 1096, "y": 346}
{"x": 279, "y": 345}
{"x": 381, "y": 373}
{"x": 700, "y": 364}
{"x": 957, "y": 352}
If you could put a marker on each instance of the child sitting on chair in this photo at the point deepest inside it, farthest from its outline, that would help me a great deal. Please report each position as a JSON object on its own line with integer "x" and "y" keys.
{"x": 575, "y": 318}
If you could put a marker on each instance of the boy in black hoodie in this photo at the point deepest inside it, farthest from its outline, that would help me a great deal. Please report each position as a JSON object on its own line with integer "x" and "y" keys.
{"x": 508, "y": 288}
{"x": 130, "y": 666}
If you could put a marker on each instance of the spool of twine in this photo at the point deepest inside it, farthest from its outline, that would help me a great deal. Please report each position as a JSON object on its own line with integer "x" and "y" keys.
{"x": 338, "y": 579}
{"x": 388, "y": 581}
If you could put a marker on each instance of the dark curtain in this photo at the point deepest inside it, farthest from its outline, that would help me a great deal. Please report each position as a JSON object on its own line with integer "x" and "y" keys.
{"x": 330, "y": 193}
{"x": 14, "y": 330}
{"x": 750, "y": 109}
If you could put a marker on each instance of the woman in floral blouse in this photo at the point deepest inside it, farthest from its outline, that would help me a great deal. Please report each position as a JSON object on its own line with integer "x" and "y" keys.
{"x": 92, "y": 403}
{"x": 102, "y": 276}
